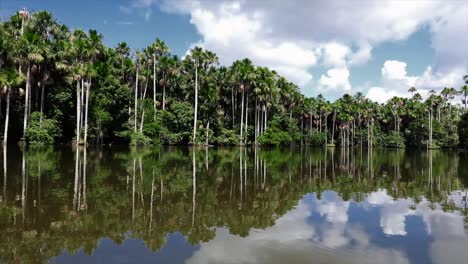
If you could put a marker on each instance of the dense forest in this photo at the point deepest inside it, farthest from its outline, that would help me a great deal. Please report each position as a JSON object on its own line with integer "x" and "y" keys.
{"x": 61, "y": 86}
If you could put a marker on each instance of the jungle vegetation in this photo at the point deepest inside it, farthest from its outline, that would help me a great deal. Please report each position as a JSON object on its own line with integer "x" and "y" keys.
{"x": 60, "y": 85}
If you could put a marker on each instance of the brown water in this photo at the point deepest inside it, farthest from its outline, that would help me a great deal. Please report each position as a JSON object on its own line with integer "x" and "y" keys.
{"x": 231, "y": 205}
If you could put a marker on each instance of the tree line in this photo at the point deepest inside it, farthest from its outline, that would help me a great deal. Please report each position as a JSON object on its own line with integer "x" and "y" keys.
{"x": 63, "y": 85}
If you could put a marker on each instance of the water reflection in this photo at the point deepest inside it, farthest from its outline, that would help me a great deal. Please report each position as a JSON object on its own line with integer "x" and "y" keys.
{"x": 200, "y": 205}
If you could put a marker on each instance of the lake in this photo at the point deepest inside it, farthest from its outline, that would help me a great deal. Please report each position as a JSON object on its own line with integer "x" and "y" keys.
{"x": 233, "y": 205}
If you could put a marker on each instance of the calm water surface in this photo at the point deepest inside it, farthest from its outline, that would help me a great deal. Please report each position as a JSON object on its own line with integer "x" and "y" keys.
{"x": 230, "y": 205}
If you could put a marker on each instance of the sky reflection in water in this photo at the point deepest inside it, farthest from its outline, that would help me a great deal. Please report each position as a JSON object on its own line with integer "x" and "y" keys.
{"x": 238, "y": 206}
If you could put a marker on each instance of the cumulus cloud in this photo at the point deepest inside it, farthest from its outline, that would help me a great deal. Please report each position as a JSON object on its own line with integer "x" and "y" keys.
{"x": 396, "y": 82}
{"x": 293, "y": 37}
{"x": 336, "y": 78}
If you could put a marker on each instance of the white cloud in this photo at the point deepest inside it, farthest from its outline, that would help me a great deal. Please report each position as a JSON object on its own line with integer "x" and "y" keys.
{"x": 362, "y": 55}
{"x": 294, "y": 36}
{"x": 335, "y": 54}
{"x": 336, "y": 78}
{"x": 394, "y": 70}
{"x": 234, "y": 35}
{"x": 396, "y": 82}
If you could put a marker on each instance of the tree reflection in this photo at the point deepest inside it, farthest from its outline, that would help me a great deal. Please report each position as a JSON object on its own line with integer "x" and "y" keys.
{"x": 193, "y": 191}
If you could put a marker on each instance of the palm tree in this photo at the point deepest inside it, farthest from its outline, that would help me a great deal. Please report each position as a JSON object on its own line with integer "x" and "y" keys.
{"x": 24, "y": 15}
{"x": 30, "y": 49}
{"x": 138, "y": 63}
{"x": 244, "y": 71}
{"x": 201, "y": 60}
{"x": 196, "y": 56}
{"x": 94, "y": 48}
{"x": 44, "y": 24}
{"x": 158, "y": 49}
{"x": 8, "y": 78}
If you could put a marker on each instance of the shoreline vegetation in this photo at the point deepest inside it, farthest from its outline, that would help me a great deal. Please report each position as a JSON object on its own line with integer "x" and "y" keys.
{"x": 60, "y": 85}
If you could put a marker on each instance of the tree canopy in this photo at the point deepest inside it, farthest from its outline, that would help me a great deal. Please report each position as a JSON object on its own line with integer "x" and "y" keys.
{"x": 92, "y": 93}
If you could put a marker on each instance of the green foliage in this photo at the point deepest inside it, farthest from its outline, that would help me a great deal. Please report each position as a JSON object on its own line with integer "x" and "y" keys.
{"x": 316, "y": 138}
{"x": 227, "y": 137}
{"x": 44, "y": 133}
{"x": 275, "y": 136}
{"x": 139, "y": 139}
{"x": 393, "y": 140}
{"x": 176, "y": 123}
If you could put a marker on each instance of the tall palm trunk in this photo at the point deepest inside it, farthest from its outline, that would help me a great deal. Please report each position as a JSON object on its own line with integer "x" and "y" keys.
{"x": 78, "y": 112}
{"x": 232, "y": 108}
{"x": 256, "y": 122}
{"x": 136, "y": 102}
{"x": 430, "y": 128}
{"x": 326, "y": 130}
{"x": 333, "y": 128}
{"x": 196, "y": 106}
{"x": 26, "y": 101}
{"x": 82, "y": 103}
{"x": 164, "y": 97}
{"x": 242, "y": 117}
{"x": 7, "y": 117}
{"x": 86, "y": 113}
{"x": 143, "y": 111}
{"x": 246, "y": 118}
{"x": 42, "y": 101}
{"x": 154, "y": 85}
{"x": 266, "y": 118}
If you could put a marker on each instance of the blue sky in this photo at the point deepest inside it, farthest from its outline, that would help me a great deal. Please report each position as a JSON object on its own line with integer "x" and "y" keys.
{"x": 380, "y": 48}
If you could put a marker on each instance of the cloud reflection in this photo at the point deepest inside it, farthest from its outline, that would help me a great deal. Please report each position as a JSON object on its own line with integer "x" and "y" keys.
{"x": 320, "y": 230}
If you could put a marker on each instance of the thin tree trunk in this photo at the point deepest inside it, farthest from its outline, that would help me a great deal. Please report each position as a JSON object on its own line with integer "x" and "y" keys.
{"x": 266, "y": 118}
{"x": 42, "y": 102}
{"x": 154, "y": 86}
{"x": 246, "y": 118}
{"x": 164, "y": 97}
{"x": 29, "y": 99}
{"x": 333, "y": 129}
{"x": 196, "y": 106}
{"x": 136, "y": 102}
{"x": 260, "y": 119}
{"x": 7, "y": 117}
{"x": 143, "y": 111}
{"x": 326, "y": 131}
{"x": 26, "y": 101}
{"x": 86, "y": 114}
{"x": 82, "y": 101}
{"x": 242, "y": 117}
{"x": 256, "y": 123}
{"x": 232, "y": 107}
{"x": 78, "y": 112}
